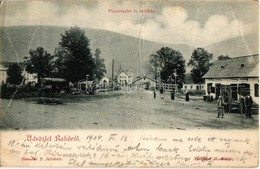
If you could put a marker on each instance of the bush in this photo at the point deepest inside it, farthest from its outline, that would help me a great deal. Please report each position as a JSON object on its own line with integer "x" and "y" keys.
{"x": 8, "y": 92}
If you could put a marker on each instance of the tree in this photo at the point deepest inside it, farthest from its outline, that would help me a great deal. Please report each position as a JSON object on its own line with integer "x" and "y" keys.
{"x": 222, "y": 57}
{"x": 14, "y": 73}
{"x": 200, "y": 62}
{"x": 100, "y": 67}
{"x": 61, "y": 55}
{"x": 39, "y": 61}
{"x": 169, "y": 64}
{"x": 76, "y": 58}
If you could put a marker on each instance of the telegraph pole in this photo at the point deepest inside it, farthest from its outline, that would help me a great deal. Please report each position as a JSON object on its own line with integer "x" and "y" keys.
{"x": 113, "y": 73}
{"x": 156, "y": 69}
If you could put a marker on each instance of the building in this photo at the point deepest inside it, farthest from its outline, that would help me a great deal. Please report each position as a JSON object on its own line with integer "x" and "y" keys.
{"x": 234, "y": 78}
{"x": 125, "y": 78}
{"x": 54, "y": 84}
{"x": 104, "y": 81}
{"x": 144, "y": 82}
{"x": 193, "y": 86}
{"x": 28, "y": 77}
{"x": 3, "y": 73}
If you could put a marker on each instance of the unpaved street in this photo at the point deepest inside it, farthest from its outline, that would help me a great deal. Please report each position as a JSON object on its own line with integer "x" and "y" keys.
{"x": 119, "y": 111}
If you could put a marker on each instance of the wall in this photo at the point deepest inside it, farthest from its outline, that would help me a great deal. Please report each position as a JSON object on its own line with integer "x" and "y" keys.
{"x": 193, "y": 87}
{"x": 250, "y": 81}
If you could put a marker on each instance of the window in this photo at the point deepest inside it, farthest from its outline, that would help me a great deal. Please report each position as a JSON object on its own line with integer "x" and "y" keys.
{"x": 243, "y": 89}
{"x": 185, "y": 87}
{"x": 256, "y": 90}
{"x": 190, "y": 86}
{"x": 212, "y": 89}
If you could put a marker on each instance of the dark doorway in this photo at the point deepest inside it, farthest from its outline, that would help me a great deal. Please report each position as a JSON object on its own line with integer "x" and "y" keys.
{"x": 218, "y": 86}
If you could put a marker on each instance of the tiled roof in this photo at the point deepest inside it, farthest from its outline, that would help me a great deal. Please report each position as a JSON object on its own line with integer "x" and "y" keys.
{"x": 54, "y": 79}
{"x": 7, "y": 64}
{"x": 244, "y": 66}
{"x": 142, "y": 78}
{"x": 129, "y": 74}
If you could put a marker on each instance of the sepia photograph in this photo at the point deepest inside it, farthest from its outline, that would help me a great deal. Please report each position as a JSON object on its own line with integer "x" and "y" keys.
{"x": 168, "y": 66}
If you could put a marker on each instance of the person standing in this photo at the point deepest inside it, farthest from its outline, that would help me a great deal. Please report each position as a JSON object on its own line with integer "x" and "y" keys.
{"x": 161, "y": 92}
{"x": 187, "y": 97}
{"x": 154, "y": 94}
{"x": 248, "y": 104}
{"x": 242, "y": 104}
{"x": 221, "y": 109}
{"x": 173, "y": 94}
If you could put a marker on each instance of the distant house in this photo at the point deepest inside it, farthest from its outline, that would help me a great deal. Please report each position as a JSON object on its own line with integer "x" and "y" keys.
{"x": 104, "y": 81}
{"x": 190, "y": 85}
{"x": 193, "y": 87}
{"x": 54, "y": 84}
{"x": 28, "y": 77}
{"x": 233, "y": 78}
{"x": 124, "y": 78}
{"x": 144, "y": 81}
{"x": 3, "y": 73}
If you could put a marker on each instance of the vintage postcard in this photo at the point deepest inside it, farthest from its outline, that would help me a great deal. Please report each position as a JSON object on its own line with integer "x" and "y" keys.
{"x": 122, "y": 83}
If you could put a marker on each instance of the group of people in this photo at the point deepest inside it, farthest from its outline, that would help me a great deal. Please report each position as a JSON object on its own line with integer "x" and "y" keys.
{"x": 161, "y": 93}
{"x": 245, "y": 102}
{"x": 187, "y": 98}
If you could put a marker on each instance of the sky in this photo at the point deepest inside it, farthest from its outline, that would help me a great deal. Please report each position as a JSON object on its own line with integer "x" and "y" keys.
{"x": 195, "y": 23}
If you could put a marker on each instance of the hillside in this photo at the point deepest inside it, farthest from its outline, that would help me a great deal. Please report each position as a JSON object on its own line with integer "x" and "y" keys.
{"x": 129, "y": 52}
{"x": 241, "y": 46}
{"x": 16, "y": 42}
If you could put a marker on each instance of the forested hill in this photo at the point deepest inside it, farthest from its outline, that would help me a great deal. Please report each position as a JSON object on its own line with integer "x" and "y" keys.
{"x": 129, "y": 52}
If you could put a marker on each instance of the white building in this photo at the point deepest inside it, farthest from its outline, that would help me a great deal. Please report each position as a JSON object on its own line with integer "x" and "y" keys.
{"x": 125, "y": 78}
{"x": 104, "y": 81}
{"x": 193, "y": 87}
{"x": 28, "y": 77}
{"x": 233, "y": 78}
{"x": 144, "y": 81}
{"x": 3, "y": 74}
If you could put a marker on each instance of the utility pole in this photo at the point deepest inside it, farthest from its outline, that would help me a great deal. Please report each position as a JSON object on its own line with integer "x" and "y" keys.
{"x": 175, "y": 78}
{"x": 113, "y": 73}
{"x": 156, "y": 69}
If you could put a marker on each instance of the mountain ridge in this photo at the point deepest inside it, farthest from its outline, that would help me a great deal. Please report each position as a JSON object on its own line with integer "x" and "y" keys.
{"x": 130, "y": 53}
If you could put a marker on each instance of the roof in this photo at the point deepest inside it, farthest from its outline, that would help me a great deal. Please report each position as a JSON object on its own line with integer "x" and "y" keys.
{"x": 105, "y": 77}
{"x": 127, "y": 73}
{"x": 2, "y": 67}
{"x": 243, "y": 66}
{"x": 54, "y": 79}
{"x": 7, "y": 64}
{"x": 142, "y": 78}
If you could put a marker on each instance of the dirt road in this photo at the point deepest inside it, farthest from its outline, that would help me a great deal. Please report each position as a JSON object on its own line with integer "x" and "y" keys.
{"x": 119, "y": 111}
